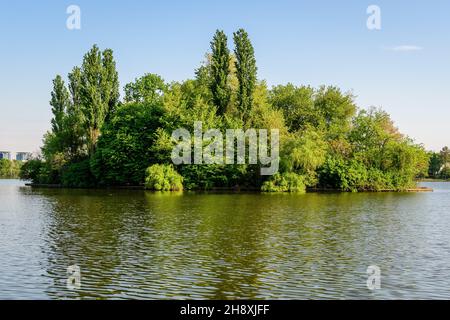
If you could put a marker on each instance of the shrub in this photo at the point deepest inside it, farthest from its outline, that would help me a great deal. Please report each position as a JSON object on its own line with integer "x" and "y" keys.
{"x": 344, "y": 175}
{"x": 445, "y": 173}
{"x": 206, "y": 177}
{"x": 37, "y": 171}
{"x": 9, "y": 169}
{"x": 163, "y": 177}
{"x": 78, "y": 175}
{"x": 286, "y": 182}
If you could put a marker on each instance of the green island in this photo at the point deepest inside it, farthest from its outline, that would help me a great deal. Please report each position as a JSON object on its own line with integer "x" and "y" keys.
{"x": 327, "y": 142}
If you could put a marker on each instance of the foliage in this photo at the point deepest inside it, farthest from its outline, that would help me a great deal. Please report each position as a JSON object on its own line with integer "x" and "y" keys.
{"x": 285, "y": 182}
{"x": 220, "y": 70}
{"x": 435, "y": 165}
{"x": 207, "y": 177}
{"x": 445, "y": 173}
{"x": 246, "y": 72}
{"x": 439, "y": 164}
{"x": 325, "y": 140}
{"x": 162, "y": 177}
{"x": 148, "y": 89}
{"x": 303, "y": 153}
{"x": 39, "y": 171}
{"x": 78, "y": 175}
{"x": 59, "y": 103}
{"x": 125, "y": 147}
{"x": 297, "y": 105}
{"x": 99, "y": 92}
{"x": 9, "y": 169}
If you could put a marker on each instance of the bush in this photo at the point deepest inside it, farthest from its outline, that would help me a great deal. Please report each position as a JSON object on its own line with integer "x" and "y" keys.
{"x": 206, "y": 177}
{"x": 445, "y": 173}
{"x": 286, "y": 182}
{"x": 378, "y": 180}
{"x": 163, "y": 177}
{"x": 78, "y": 175}
{"x": 9, "y": 169}
{"x": 38, "y": 171}
{"x": 344, "y": 175}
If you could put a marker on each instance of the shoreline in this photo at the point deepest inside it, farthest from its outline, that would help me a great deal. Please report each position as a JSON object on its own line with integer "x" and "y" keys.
{"x": 236, "y": 189}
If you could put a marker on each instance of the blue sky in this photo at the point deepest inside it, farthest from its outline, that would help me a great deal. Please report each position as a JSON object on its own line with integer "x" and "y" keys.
{"x": 403, "y": 68}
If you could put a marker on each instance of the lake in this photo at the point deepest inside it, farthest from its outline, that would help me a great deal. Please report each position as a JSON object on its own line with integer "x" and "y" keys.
{"x": 145, "y": 245}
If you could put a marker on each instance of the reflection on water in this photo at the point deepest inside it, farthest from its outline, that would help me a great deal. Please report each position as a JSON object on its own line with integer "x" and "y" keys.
{"x": 136, "y": 244}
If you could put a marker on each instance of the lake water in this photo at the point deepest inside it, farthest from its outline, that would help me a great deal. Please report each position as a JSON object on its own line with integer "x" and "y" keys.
{"x": 144, "y": 245}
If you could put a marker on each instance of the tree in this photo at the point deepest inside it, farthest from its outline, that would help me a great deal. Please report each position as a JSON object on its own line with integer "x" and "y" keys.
{"x": 435, "y": 165}
{"x": 124, "y": 149}
{"x": 66, "y": 138}
{"x": 220, "y": 70}
{"x": 59, "y": 103}
{"x": 9, "y": 169}
{"x": 99, "y": 92}
{"x": 56, "y": 143}
{"x": 74, "y": 120}
{"x": 336, "y": 109}
{"x": 445, "y": 155}
{"x": 302, "y": 153}
{"x": 297, "y": 105}
{"x": 110, "y": 82}
{"x": 75, "y": 86}
{"x": 246, "y": 72}
{"x": 148, "y": 89}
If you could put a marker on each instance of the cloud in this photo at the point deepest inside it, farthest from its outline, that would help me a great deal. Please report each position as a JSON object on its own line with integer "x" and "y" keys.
{"x": 404, "y": 48}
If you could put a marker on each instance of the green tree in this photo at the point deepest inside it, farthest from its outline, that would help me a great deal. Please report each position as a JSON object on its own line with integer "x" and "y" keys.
{"x": 246, "y": 72}
{"x": 297, "y": 105}
{"x": 304, "y": 152}
{"x": 74, "y": 120}
{"x": 59, "y": 103}
{"x": 9, "y": 169}
{"x": 99, "y": 92}
{"x": 337, "y": 110}
{"x": 75, "y": 86}
{"x": 445, "y": 155}
{"x": 435, "y": 165}
{"x": 124, "y": 149}
{"x": 147, "y": 89}
{"x": 220, "y": 70}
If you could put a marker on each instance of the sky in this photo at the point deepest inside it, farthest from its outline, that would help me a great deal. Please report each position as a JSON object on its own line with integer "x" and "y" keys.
{"x": 404, "y": 67}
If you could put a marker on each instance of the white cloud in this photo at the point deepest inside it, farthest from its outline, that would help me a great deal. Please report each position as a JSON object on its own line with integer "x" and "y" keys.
{"x": 404, "y": 48}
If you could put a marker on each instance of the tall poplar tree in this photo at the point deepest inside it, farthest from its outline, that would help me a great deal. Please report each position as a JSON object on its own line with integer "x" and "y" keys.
{"x": 74, "y": 123}
{"x": 99, "y": 92}
{"x": 220, "y": 70}
{"x": 246, "y": 71}
{"x": 60, "y": 103}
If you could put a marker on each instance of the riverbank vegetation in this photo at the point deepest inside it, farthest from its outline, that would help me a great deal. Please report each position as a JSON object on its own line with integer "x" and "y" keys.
{"x": 439, "y": 166}
{"x": 326, "y": 141}
{"x": 9, "y": 169}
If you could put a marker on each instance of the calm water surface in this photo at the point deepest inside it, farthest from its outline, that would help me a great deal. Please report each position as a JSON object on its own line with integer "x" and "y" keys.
{"x": 136, "y": 244}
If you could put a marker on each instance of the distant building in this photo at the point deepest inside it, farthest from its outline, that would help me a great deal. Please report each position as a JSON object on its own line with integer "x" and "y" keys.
{"x": 5, "y": 155}
{"x": 23, "y": 156}
{"x": 18, "y": 156}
